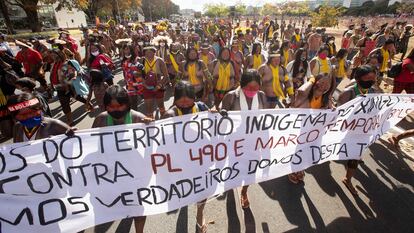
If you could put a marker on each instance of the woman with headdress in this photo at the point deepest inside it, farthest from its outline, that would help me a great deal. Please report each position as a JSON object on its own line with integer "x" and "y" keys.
{"x": 163, "y": 43}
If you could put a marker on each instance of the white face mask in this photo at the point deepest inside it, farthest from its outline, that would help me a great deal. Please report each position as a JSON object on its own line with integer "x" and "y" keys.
{"x": 162, "y": 44}
{"x": 18, "y": 92}
{"x": 139, "y": 31}
{"x": 140, "y": 43}
{"x": 127, "y": 56}
{"x": 96, "y": 53}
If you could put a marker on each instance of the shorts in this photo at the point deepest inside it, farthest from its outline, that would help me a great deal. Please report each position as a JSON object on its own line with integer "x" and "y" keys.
{"x": 152, "y": 94}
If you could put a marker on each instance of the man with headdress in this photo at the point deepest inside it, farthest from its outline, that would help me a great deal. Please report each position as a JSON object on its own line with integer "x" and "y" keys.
{"x": 276, "y": 84}
{"x": 163, "y": 43}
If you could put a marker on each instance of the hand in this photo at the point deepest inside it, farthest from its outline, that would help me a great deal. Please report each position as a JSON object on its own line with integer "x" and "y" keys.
{"x": 224, "y": 113}
{"x": 148, "y": 120}
{"x": 71, "y": 132}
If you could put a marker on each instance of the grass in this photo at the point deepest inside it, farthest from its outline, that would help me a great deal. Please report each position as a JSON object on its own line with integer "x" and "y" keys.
{"x": 48, "y": 34}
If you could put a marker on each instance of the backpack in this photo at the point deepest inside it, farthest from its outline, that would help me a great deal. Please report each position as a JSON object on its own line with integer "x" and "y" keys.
{"x": 395, "y": 70}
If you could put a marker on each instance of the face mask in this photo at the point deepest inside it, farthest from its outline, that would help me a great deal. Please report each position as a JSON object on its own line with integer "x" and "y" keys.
{"x": 331, "y": 42}
{"x": 186, "y": 110}
{"x": 140, "y": 43}
{"x": 303, "y": 58}
{"x": 32, "y": 122}
{"x": 139, "y": 31}
{"x": 63, "y": 36}
{"x": 18, "y": 92}
{"x": 128, "y": 56}
{"x": 118, "y": 114}
{"x": 366, "y": 84}
{"x": 162, "y": 44}
{"x": 95, "y": 53}
{"x": 322, "y": 56}
{"x": 249, "y": 94}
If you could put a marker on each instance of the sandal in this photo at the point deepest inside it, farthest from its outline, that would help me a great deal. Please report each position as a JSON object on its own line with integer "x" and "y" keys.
{"x": 202, "y": 228}
{"x": 350, "y": 187}
{"x": 244, "y": 201}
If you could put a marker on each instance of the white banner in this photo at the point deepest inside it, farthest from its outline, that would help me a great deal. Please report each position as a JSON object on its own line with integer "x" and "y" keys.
{"x": 66, "y": 184}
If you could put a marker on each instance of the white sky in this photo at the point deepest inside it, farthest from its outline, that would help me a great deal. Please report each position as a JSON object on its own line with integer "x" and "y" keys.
{"x": 198, "y": 4}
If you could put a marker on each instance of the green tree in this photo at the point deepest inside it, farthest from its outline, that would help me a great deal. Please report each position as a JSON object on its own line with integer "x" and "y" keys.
{"x": 5, "y": 12}
{"x": 30, "y": 8}
{"x": 270, "y": 9}
{"x": 157, "y": 9}
{"x": 241, "y": 9}
{"x": 326, "y": 16}
{"x": 216, "y": 10}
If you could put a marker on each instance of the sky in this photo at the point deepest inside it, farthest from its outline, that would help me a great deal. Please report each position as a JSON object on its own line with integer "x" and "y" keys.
{"x": 198, "y": 4}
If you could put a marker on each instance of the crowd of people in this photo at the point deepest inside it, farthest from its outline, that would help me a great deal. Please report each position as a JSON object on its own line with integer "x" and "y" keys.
{"x": 209, "y": 65}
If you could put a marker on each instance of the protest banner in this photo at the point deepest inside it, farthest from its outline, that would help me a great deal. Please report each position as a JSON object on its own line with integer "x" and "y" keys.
{"x": 66, "y": 184}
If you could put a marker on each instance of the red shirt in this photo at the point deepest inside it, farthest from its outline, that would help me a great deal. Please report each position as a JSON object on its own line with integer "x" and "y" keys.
{"x": 406, "y": 76}
{"x": 29, "y": 57}
{"x": 96, "y": 64}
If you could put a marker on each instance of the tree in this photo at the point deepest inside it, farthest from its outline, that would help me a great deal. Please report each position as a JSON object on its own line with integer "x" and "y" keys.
{"x": 5, "y": 13}
{"x": 30, "y": 8}
{"x": 158, "y": 9}
{"x": 326, "y": 16}
{"x": 241, "y": 9}
{"x": 216, "y": 10}
{"x": 270, "y": 9}
{"x": 405, "y": 8}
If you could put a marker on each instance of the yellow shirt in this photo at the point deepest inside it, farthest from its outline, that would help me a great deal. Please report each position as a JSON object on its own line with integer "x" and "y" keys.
{"x": 257, "y": 61}
{"x": 277, "y": 88}
{"x": 150, "y": 66}
{"x": 341, "y": 69}
{"x": 223, "y": 82}
{"x": 385, "y": 58}
{"x": 192, "y": 74}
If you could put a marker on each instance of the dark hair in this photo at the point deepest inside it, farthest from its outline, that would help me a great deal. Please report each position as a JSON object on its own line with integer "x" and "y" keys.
{"x": 100, "y": 49}
{"x": 327, "y": 95}
{"x": 15, "y": 99}
{"x": 361, "y": 71}
{"x": 341, "y": 53}
{"x": 389, "y": 41}
{"x": 26, "y": 82}
{"x": 184, "y": 89}
{"x": 250, "y": 75}
{"x": 255, "y": 46}
{"x": 131, "y": 52}
{"x": 297, "y": 61}
{"x": 187, "y": 57}
{"x": 96, "y": 76}
{"x": 118, "y": 93}
{"x": 221, "y": 53}
{"x": 323, "y": 48}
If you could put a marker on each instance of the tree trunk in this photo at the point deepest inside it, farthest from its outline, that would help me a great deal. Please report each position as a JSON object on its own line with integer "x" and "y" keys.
{"x": 5, "y": 13}
{"x": 33, "y": 18}
{"x": 115, "y": 12}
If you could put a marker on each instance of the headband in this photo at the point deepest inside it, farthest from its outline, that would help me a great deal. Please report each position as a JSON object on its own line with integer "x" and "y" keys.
{"x": 22, "y": 105}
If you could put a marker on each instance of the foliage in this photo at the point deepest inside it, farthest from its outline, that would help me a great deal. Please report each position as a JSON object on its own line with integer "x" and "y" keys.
{"x": 405, "y": 8}
{"x": 216, "y": 10}
{"x": 158, "y": 9}
{"x": 376, "y": 8}
{"x": 326, "y": 16}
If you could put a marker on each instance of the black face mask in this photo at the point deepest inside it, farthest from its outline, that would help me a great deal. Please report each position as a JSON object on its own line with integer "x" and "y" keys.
{"x": 118, "y": 114}
{"x": 366, "y": 84}
{"x": 186, "y": 110}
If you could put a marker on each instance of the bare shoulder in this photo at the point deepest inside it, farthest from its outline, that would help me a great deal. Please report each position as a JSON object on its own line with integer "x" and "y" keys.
{"x": 137, "y": 117}
{"x": 100, "y": 120}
